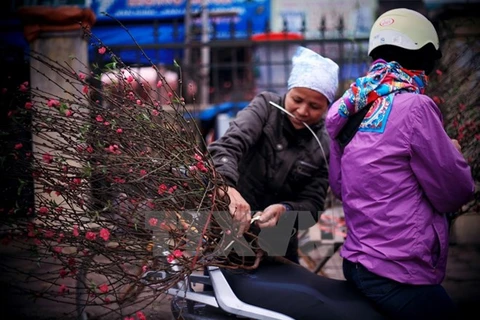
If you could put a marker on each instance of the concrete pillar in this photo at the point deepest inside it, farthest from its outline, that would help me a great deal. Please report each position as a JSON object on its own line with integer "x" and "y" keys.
{"x": 55, "y": 33}
{"x": 465, "y": 230}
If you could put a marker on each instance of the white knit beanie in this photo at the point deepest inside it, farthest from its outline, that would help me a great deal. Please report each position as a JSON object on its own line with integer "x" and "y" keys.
{"x": 311, "y": 70}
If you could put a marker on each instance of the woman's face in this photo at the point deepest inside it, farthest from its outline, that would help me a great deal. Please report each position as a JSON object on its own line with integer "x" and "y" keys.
{"x": 306, "y": 105}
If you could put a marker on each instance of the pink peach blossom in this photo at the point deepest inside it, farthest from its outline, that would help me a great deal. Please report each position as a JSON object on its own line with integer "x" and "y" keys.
{"x": 63, "y": 273}
{"x": 162, "y": 188}
{"x": 63, "y": 289}
{"x": 177, "y": 253}
{"x": 153, "y": 222}
{"x": 90, "y": 235}
{"x": 47, "y": 158}
{"x": 105, "y": 234}
{"x": 103, "y": 288}
{"x": 75, "y": 231}
{"x": 53, "y": 103}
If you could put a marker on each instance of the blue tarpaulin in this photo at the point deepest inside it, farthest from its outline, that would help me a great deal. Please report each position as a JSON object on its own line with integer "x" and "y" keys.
{"x": 230, "y": 108}
{"x": 249, "y": 16}
{"x": 116, "y": 37}
{"x": 258, "y": 11}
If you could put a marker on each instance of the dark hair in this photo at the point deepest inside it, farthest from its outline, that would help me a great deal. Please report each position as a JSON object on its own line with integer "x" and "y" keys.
{"x": 421, "y": 59}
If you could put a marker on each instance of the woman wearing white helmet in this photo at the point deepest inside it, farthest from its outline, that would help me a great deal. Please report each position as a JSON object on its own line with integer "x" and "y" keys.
{"x": 407, "y": 37}
{"x": 394, "y": 172}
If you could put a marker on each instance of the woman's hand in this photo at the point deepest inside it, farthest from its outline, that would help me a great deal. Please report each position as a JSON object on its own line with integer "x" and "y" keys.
{"x": 269, "y": 217}
{"x": 239, "y": 209}
{"x": 456, "y": 144}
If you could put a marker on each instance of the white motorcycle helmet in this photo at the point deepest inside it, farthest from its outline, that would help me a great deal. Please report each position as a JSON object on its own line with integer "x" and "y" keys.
{"x": 403, "y": 28}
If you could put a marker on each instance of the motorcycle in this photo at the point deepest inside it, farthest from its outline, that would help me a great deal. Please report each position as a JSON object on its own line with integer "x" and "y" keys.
{"x": 226, "y": 295}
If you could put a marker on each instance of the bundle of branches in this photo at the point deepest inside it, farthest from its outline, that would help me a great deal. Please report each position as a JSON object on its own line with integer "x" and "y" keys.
{"x": 120, "y": 186}
{"x": 453, "y": 86}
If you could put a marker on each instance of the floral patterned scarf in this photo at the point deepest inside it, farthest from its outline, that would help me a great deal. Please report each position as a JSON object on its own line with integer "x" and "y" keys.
{"x": 377, "y": 90}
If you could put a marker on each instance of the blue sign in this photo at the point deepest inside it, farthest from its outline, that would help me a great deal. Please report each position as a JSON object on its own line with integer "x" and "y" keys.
{"x": 245, "y": 17}
{"x": 241, "y": 12}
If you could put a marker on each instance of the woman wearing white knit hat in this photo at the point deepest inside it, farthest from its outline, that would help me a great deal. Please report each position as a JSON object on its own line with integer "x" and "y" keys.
{"x": 270, "y": 159}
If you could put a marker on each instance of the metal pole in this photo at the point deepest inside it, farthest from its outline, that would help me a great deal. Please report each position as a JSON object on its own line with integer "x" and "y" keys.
{"x": 205, "y": 57}
{"x": 187, "y": 26}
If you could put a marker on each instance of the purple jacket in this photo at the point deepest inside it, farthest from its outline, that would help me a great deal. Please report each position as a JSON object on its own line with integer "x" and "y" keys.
{"x": 396, "y": 187}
